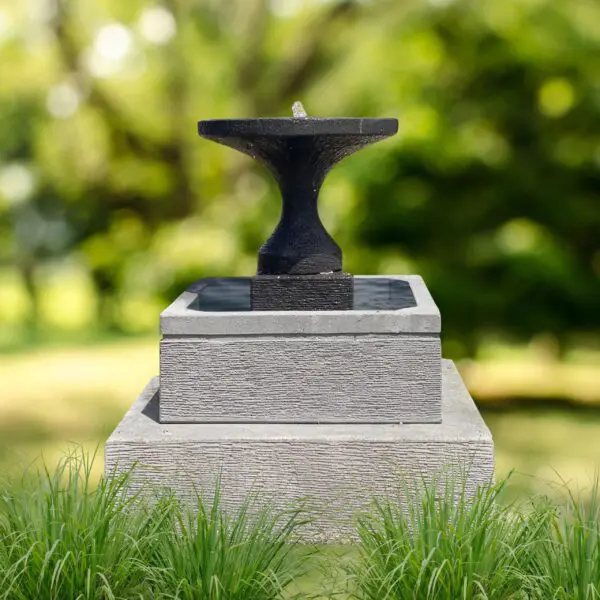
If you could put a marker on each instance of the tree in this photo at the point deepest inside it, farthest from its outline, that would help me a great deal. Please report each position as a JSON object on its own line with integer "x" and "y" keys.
{"x": 489, "y": 190}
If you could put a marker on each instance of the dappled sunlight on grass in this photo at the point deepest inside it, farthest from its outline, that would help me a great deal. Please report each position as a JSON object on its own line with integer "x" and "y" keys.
{"x": 535, "y": 371}
{"x": 502, "y": 379}
{"x": 55, "y": 397}
{"x": 546, "y": 446}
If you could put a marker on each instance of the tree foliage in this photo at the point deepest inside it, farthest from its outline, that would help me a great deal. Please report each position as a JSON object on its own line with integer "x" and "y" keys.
{"x": 490, "y": 189}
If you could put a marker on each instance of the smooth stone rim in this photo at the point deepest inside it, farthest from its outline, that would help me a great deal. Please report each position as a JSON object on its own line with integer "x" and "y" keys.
{"x": 297, "y": 126}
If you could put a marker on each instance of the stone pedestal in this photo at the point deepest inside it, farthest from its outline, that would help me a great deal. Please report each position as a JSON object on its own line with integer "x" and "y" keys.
{"x": 335, "y": 406}
{"x": 354, "y": 366}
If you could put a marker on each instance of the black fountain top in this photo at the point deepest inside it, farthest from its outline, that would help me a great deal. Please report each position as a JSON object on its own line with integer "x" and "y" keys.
{"x": 300, "y": 265}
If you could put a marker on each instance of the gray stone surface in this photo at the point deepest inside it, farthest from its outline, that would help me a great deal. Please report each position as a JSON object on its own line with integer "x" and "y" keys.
{"x": 180, "y": 319}
{"x": 339, "y": 468}
{"x": 301, "y": 379}
{"x": 374, "y": 366}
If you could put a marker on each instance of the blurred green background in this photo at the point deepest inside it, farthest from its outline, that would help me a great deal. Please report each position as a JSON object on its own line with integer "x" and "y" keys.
{"x": 110, "y": 204}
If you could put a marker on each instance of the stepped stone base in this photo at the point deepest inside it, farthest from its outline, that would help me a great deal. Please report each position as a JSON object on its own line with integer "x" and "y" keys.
{"x": 339, "y": 468}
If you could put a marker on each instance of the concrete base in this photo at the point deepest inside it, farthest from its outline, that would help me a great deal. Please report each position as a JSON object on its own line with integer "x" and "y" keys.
{"x": 301, "y": 379}
{"x": 323, "y": 366}
{"x": 339, "y": 468}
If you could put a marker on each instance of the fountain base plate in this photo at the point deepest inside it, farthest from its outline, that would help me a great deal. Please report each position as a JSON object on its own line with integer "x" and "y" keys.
{"x": 325, "y": 291}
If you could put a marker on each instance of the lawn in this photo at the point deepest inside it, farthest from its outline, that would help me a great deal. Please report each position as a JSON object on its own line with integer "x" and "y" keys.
{"x": 64, "y": 536}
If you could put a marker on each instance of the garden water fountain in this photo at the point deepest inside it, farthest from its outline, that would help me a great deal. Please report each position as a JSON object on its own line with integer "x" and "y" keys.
{"x": 303, "y": 381}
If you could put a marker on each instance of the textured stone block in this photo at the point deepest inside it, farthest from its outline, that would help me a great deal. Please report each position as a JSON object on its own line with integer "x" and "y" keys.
{"x": 327, "y": 291}
{"x": 372, "y": 366}
{"x": 339, "y": 468}
{"x": 301, "y": 379}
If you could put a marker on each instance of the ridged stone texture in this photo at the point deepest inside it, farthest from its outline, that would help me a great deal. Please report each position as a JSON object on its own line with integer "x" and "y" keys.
{"x": 339, "y": 468}
{"x": 327, "y": 291}
{"x": 301, "y": 379}
{"x": 346, "y": 366}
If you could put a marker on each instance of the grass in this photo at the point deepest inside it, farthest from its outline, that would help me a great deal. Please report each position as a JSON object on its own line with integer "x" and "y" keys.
{"x": 62, "y": 538}
{"x": 445, "y": 545}
{"x": 245, "y": 557}
{"x": 566, "y": 564}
